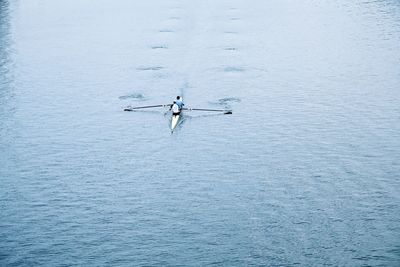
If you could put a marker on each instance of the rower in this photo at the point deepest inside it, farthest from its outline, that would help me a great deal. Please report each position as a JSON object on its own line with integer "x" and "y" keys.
{"x": 179, "y": 102}
{"x": 175, "y": 109}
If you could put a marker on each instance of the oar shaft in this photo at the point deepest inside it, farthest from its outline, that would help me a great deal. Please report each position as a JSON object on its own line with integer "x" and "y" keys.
{"x": 205, "y": 109}
{"x": 154, "y": 106}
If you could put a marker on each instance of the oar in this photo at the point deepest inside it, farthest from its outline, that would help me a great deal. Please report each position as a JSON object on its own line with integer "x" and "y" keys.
{"x": 205, "y": 109}
{"x": 154, "y": 106}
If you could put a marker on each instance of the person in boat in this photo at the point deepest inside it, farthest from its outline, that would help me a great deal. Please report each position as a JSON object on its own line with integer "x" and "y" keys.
{"x": 175, "y": 109}
{"x": 179, "y": 102}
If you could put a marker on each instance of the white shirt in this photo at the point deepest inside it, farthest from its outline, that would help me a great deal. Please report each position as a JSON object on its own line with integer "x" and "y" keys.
{"x": 175, "y": 108}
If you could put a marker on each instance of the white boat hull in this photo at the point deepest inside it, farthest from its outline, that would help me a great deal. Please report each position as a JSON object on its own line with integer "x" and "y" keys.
{"x": 175, "y": 121}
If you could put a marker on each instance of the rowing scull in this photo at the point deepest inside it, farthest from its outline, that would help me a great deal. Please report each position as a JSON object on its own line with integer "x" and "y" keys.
{"x": 175, "y": 121}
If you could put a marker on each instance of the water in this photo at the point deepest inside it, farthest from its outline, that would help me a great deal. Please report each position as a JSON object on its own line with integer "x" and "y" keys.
{"x": 304, "y": 172}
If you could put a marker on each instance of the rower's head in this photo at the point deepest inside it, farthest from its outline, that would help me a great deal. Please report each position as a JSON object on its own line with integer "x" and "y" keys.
{"x": 174, "y": 102}
{"x": 178, "y": 97}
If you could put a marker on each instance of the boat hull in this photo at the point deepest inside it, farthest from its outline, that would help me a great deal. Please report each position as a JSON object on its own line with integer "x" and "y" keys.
{"x": 174, "y": 121}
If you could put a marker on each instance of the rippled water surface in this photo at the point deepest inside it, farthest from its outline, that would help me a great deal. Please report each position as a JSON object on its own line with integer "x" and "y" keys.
{"x": 306, "y": 171}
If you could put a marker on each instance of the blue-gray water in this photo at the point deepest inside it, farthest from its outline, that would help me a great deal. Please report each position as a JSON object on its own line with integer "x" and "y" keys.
{"x": 306, "y": 171}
